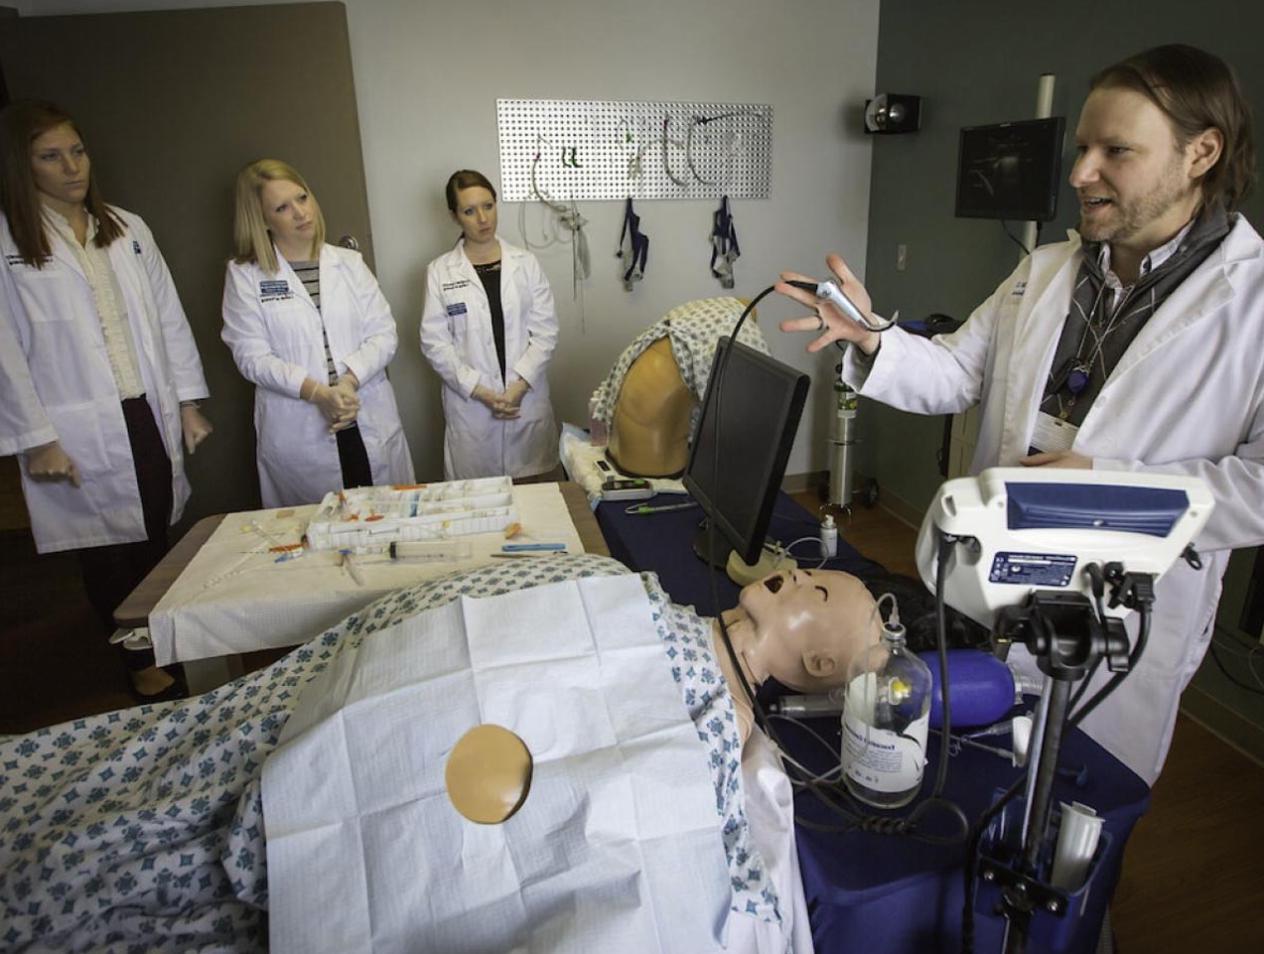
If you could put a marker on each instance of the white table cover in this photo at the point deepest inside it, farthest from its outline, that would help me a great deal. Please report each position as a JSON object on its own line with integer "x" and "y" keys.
{"x": 234, "y": 596}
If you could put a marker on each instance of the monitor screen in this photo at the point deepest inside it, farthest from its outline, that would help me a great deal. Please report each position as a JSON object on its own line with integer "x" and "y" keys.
{"x": 1010, "y": 170}
{"x": 754, "y": 419}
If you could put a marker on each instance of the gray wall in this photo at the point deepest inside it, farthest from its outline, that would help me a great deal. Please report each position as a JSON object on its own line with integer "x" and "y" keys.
{"x": 976, "y": 62}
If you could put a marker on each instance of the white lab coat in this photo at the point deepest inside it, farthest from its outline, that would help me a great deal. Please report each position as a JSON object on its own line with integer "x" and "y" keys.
{"x": 456, "y": 338}
{"x": 57, "y": 384}
{"x": 273, "y": 329}
{"x": 1186, "y": 398}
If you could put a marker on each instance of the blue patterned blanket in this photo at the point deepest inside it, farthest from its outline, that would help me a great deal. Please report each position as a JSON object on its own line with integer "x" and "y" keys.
{"x": 143, "y": 830}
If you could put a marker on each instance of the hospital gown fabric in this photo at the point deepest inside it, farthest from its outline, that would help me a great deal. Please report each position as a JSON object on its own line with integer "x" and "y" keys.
{"x": 695, "y": 329}
{"x": 142, "y": 830}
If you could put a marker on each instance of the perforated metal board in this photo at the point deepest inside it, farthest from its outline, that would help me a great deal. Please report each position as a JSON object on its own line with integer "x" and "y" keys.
{"x": 601, "y": 149}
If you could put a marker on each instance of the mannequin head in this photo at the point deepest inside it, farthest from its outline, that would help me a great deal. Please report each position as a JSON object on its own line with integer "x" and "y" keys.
{"x": 803, "y": 628}
{"x": 649, "y": 433}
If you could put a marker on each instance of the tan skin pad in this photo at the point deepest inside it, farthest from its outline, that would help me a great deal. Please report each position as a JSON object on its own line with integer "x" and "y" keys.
{"x": 488, "y": 774}
{"x": 649, "y": 436}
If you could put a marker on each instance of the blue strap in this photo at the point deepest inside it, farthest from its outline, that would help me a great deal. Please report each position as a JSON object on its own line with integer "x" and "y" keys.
{"x": 639, "y": 245}
{"x": 724, "y": 243}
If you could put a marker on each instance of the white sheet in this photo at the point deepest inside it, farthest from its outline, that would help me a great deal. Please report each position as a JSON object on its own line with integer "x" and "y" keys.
{"x": 617, "y": 847}
{"x": 234, "y": 597}
{"x": 769, "y": 805}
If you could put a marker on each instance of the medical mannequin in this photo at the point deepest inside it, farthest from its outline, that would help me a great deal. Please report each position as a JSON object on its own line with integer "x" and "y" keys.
{"x": 649, "y": 436}
{"x": 802, "y": 628}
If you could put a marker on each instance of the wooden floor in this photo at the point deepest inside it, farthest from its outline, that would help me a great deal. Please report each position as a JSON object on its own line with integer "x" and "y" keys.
{"x": 1193, "y": 875}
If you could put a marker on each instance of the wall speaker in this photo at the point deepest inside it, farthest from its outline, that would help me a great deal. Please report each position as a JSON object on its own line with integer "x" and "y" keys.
{"x": 893, "y": 113}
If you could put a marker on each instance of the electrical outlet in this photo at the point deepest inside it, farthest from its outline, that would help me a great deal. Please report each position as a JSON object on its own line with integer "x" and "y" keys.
{"x": 901, "y": 257}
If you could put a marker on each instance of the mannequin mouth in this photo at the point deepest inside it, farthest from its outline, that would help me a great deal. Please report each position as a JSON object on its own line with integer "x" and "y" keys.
{"x": 774, "y": 583}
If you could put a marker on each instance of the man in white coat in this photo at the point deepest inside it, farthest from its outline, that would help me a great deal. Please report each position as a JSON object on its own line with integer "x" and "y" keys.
{"x": 1134, "y": 345}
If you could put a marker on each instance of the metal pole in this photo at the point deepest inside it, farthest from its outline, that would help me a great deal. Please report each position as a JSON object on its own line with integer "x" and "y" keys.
{"x": 1044, "y": 109}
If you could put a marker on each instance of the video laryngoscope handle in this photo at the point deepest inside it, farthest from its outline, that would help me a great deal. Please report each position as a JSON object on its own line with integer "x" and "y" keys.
{"x": 829, "y": 291}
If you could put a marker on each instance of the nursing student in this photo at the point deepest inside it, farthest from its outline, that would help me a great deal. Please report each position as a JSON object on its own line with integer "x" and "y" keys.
{"x": 489, "y": 329}
{"x": 309, "y": 327}
{"x": 100, "y": 377}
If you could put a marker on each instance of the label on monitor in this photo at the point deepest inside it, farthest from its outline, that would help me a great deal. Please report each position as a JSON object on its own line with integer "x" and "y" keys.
{"x": 1032, "y": 569}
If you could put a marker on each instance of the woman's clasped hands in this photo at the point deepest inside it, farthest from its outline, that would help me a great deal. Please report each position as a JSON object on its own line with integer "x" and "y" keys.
{"x": 505, "y": 405}
{"x": 339, "y": 403}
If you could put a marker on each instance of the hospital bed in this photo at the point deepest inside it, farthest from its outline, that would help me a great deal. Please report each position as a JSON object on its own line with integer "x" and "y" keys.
{"x": 143, "y": 829}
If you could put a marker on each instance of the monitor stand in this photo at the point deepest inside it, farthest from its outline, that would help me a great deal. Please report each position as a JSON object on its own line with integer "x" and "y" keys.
{"x": 712, "y": 548}
{"x": 722, "y": 556}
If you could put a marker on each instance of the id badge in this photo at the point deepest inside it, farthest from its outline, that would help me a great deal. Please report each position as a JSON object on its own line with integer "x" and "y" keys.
{"x": 1052, "y": 434}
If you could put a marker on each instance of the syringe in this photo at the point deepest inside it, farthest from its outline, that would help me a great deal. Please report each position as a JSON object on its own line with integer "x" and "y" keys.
{"x": 809, "y": 707}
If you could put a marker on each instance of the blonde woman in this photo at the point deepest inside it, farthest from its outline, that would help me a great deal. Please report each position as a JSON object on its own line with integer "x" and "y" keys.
{"x": 309, "y": 327}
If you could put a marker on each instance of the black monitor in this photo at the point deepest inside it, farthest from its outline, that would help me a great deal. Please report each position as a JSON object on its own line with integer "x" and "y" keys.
{"x": 1010, "y": 170}
{"x": 759, "y": 406}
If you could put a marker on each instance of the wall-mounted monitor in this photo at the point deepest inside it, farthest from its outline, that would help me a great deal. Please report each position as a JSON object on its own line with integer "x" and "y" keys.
{"x": 1010, "y": 170}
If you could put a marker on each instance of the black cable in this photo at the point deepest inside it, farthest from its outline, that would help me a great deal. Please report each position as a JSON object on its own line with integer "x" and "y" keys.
{"x": 972, "y": 854}
{"x": 1143, "y": 636}
{"x": 1098, "y": 585}
{"x": 1014, "y": 238}
{"x": 1227, "y": 674}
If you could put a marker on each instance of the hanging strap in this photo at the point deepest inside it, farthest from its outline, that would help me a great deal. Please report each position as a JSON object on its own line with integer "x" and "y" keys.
{"x": 634, "y": 246}
{"x": 724, "y": 248}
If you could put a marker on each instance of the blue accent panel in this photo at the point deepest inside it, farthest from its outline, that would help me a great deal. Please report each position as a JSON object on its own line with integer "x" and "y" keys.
{"x": 1149, "y": 510}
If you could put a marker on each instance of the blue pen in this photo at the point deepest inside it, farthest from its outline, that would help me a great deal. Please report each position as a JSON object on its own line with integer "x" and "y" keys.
{"x": 532, "y": 547}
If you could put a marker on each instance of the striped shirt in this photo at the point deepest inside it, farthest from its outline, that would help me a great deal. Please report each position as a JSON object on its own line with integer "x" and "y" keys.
{"x": 309, "y": 274}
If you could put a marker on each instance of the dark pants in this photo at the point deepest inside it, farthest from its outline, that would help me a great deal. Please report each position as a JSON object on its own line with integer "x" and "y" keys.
{"x": 111, "y": 572}
{"x": 353, "y": 458}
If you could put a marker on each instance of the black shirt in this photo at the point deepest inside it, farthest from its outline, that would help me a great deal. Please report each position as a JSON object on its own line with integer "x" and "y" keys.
{"x": 490, "y": 276}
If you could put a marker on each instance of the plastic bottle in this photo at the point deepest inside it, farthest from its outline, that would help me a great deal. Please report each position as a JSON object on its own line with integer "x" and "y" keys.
{"x": 885, "y": 721}
{"x": 829, "y": 536}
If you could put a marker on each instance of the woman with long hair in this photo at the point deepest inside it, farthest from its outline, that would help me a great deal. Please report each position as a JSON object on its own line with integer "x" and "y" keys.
{"x": 101, "y": 376}
{"x": 309, "y": 327}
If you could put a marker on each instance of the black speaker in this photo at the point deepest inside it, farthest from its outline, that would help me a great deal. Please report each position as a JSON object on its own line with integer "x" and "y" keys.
{"x": 893, "y": 113}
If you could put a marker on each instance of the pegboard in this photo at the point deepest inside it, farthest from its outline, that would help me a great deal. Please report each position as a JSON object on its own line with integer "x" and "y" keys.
{"x": 597, "y": 149}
